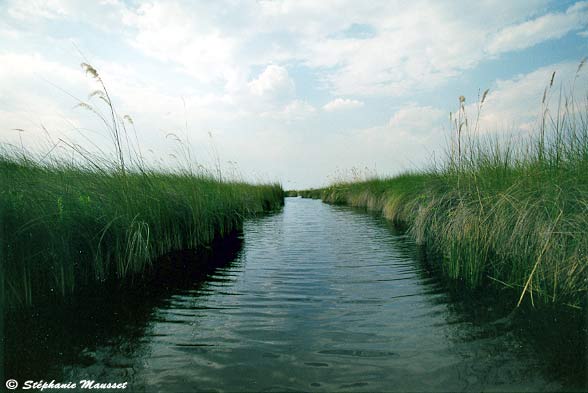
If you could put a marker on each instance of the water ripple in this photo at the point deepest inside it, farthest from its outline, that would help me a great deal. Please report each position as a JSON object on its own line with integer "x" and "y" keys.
{"x": 325, "y": 298}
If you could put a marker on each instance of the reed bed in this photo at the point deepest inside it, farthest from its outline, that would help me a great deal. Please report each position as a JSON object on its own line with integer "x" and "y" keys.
{"x": 68, "y": 226}
{"x": 65, "y": 227}
{"x": 512, "y": 212}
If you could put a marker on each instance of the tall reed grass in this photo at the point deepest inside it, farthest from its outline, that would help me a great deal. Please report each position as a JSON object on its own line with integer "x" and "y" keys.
{"x": 65, "y": 226}
{"x": 513, "y": 212}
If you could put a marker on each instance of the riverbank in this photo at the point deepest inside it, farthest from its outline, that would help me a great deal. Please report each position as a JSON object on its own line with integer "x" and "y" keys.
{"x": 513, "y": 214}
{"x": 528, "y": 237}
{"x": 65, "y": 228}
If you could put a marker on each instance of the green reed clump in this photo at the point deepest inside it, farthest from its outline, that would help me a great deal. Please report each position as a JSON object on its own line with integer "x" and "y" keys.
{"x": 65, "y": 226}
{"x": 510, "y": 212}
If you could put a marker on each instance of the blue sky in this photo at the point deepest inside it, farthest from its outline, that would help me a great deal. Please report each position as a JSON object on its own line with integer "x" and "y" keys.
{"x": 298, "y": 91}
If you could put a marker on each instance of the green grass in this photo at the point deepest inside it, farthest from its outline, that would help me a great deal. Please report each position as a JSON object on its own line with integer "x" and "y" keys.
{"x": 107, "y": 217}
{"x": 65, "y": 227}
{"x": 510, "y": 213}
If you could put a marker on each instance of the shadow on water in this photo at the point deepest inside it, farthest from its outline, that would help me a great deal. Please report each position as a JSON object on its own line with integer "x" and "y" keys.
{"x": 556, "y": 335}
{"x": 41, "y": 342}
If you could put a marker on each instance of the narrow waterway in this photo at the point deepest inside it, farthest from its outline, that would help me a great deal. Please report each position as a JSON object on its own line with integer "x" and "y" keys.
{"x": 317, "y": 298}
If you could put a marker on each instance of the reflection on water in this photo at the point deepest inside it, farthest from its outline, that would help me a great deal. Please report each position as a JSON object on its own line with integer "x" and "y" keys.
{"x": 317, "y": 298}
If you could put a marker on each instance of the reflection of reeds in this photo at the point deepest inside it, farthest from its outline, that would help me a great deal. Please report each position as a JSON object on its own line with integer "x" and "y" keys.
{"x": 513, "y": 212}
{"x": 65, "y": 226}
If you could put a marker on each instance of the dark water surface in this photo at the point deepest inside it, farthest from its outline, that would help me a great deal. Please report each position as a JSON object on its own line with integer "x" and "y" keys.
{"x": 317, "y": 298}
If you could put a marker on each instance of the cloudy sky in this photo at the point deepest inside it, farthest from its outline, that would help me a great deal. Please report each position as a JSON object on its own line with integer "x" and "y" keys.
{"x": 290, "y": 90}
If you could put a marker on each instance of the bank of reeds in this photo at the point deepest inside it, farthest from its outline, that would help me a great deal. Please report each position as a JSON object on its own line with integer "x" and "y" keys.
{"x": 66, "y": 227}
{"x": 313, "y": 193}
{"x": 512, "y": 213}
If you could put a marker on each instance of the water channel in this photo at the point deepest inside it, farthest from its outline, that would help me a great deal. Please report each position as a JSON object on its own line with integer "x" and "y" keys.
{"x": 314, "y": 298}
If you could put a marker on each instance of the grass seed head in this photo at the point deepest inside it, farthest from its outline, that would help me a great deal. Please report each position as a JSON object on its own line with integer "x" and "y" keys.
{"x": 90, "y": 70}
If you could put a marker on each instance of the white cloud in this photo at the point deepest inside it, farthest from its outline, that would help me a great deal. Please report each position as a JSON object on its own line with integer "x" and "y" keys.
{"x": 543, "y": 28}
{"x": 417, "y": 120}
{"x": 251, "y": 69}
{"x": 49, "y": 9}
{"x": 342, "y": 104}
{"x": 294, "y": 110}
{"x": 28, "y": 102}
{"x": 299, "y": 109}
{"x": 405, "y": 54}
{"x": 15, "y": 65}
{"x": 515, "y": 104}
{"x": 220, "y": 43}
{"x": 172, "y": 33}
{"x": 273, "y": 82}
{"x": 103, "y": 15}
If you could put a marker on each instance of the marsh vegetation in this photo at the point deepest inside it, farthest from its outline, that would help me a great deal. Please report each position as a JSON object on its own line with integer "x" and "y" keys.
{"x": 511, "y": 210}
{"x": 66, "y": 225}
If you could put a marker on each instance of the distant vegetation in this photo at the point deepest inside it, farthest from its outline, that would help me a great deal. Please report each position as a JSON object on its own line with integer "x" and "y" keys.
{"x": 66, "y": 226}
{"x": 514, "y": 213}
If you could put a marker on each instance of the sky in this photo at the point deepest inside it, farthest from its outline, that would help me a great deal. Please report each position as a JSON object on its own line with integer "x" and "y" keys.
{"x": 296, "y": 91}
